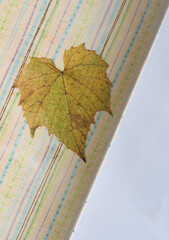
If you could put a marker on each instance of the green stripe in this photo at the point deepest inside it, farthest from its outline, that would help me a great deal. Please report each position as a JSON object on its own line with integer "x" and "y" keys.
{"x": 79, "y": 186}
{"x": 45, "y": 30}
{"x": 78, "y": 36}
{"x": 118, "y": 31}
{"x": 47, "y": 191}
{"x": 8, "y": 116}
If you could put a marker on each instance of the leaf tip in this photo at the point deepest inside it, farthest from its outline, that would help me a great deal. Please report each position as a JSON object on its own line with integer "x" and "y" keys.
{"x": 110, "y": 112}
{"x": 14, "y": 85}
{"x": 21, "y": 101}
{"x": 32, "y": 131}
{"x": 84, "y": 159}
{"x": 82, "y": 45}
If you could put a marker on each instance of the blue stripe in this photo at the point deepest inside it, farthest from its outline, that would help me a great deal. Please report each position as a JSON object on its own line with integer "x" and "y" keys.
{"x": 63, "y": 198}
{"x": 12, "y": 153}
{"x": 108, "y": 25}
{"x": 67, "y": 30}
{"x": 26, "y": 177}
{"x": 55, "y": 55}
{"x": 97, "y": 120}
{"x": 132, "y": 42}
{"x": 22, "y": 51}
{"x": 128, "y": 95}
{"x": 15, "y": 28}
{"x": 39, "y": 177}
{"x": 92, "y": 27}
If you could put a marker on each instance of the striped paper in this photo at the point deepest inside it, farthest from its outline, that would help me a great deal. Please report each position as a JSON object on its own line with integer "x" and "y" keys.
{"x": 43, "y": 186}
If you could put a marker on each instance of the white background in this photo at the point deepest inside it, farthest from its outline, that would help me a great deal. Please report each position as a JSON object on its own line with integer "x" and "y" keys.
{"x": 130, "y": 197}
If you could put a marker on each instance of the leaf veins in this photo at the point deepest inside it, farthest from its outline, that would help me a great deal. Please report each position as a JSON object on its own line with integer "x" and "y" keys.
{"x": 65, "y": 101}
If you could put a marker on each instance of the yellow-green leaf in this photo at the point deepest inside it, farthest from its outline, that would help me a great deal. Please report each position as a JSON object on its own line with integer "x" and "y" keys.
{"x": 65, "y": 101}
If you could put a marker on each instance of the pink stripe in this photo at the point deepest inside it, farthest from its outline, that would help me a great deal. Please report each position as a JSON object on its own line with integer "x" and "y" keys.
{"x": 54, "y": 197}
{"x": 31, "y": 183}
{"x": 10, "y": 136}
{"x": 102, "y": 22}
{"x": 20, "y": 43}
{"x": 57, "y": 28}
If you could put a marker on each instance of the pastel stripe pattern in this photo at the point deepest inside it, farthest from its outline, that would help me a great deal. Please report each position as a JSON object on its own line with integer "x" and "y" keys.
{"x": 43, "y": 185}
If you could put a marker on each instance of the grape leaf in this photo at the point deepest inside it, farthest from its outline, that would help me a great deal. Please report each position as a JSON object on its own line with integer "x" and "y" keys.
{"x": 65, "y": 101}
